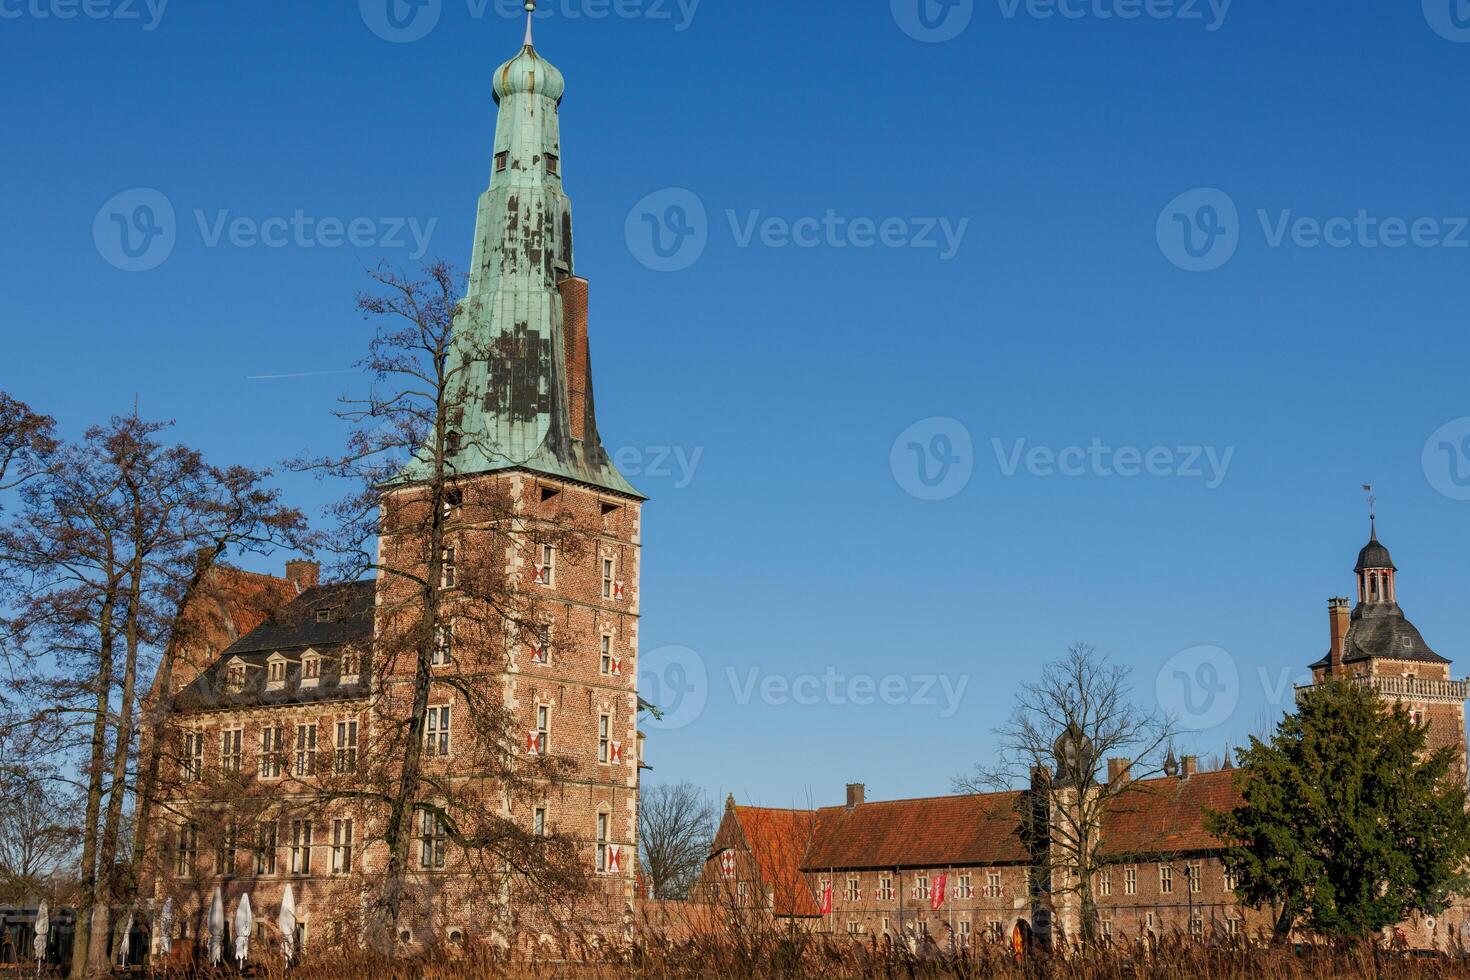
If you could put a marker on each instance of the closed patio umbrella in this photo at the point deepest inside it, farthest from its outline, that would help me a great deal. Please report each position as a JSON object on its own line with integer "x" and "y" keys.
{"x": 216, "y": 927}
{"x": 43, "y": 929}
{"x": 244, "y": 922}
{"x": 286, "y": 922}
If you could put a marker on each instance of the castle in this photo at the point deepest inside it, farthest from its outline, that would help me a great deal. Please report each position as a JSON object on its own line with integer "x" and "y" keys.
{"x": 286, "y": 686}
{"x": 279, "y": 720}
{"x": 955, "y": 868}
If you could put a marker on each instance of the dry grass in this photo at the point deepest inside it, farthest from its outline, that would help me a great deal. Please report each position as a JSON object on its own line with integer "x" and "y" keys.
{"x": 765, "y": 957}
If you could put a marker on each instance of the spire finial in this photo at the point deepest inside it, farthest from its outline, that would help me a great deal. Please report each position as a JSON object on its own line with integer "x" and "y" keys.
{"x": 530, "y": 13}
{"x": 1372, "y": 510}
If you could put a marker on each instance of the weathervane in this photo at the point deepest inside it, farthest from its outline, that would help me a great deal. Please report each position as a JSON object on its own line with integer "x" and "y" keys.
{"x": 1372, "y": 508}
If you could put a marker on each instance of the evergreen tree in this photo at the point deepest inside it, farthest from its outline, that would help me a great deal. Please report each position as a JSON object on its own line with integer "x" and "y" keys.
{"x": 1348, "y": 822}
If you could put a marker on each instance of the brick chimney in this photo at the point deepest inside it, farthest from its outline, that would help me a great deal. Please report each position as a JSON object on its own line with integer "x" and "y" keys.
{"x": 1338, "y": 615}
{"x": 857, "y": 794}
{"x": 574, "y": 336}
{"x": 1119, "y": 771}
{"x": 306, "y": 574}
{"x": 1188, "y": 766}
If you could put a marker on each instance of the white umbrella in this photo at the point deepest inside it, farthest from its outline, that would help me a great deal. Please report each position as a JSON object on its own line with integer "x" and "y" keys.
{"x": 244, "y": 922}
{"x": 166, "y": 927}
{"x": 127, "y": 940}
{"x": 286, "y": 922}
{"x": 216, "y": 926}
{"x": 43, "y": 929}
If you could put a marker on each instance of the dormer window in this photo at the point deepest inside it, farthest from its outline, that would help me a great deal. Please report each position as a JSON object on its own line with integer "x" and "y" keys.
{"x": 324, "y": 615}
{"x": 351, "y": 667}
{"x": 502, "y": 161}
{"x": 275, "y": 673}
{"x": 553, "y": 164}
{"x": 311, "y": 670}
{"x": 235, "y": 678}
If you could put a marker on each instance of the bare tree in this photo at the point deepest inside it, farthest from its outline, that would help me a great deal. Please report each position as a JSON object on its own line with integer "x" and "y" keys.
{"x": 676, "y": 825}
{"x": 27, "y": 441}
{"x": 1062, "y": 731}
{"x": 38, "y": 836}
{"x": 450, "y": 610}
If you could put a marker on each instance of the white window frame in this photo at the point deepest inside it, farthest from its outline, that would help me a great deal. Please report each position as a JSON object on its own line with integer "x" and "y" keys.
{"x": 342, "y": 846}
{"x": 438, "y": 730}
{"x": 306, "y": 742}
{"x": 1130, "y": 879}
{"x": 609, "y": 577}
{"x": 232, "y": 749}
{"x": 604, "y": 825}
{"x": 345, "y": 754}
{"x": 443, "y": 653}
{"x": 272, "y": 750}
{"x": 448, "y": 569}
{"x": 433, "y": 840}
{"x": 885, "y": 889}
{"x": 191, "y": 765}
{"x": 300, "y": 860}
{"x": 267, "y": 847}
{"x": 538, "y": 821}
{"x": 1166, "y": 878}
{"x": 545, "y": 566}
{"x": 604, "y": 737}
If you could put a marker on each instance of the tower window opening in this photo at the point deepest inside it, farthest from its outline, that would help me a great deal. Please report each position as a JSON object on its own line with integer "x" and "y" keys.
{"x": 553, "y": 164}
{"x": 502, "y": 161}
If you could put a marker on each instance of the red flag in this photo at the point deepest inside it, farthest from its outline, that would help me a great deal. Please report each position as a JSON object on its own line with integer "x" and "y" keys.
{"x": 936, "y": 896}
{"x": 826, "y": 898}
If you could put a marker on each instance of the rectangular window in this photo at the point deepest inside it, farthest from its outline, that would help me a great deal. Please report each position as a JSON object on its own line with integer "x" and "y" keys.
{"x": 350, "y": 667}
{"x": 741, "y": 894}
{"x": 543, "y": 729}
{"x": 553, "y": 164}
{"x": 962, "y": 887}
{"x": 272, "y": 745}
{"x": 1197, "y": 926}
{"x": 191, "y": 765}
{"x": 188, "y": 852}
{"x": 224, "y": 855}
{"x": 311, "y": 668}
{"x": 443, "y": 653}
{"x": 1104, "y": 882}
{"x": 545, "y": 570}
{"x": 1232, "y": 926}
{"x": 964, "y": 933}
{"x": 601, "y": 842}
{"x": 306, "y": 750}
{"x": 447, "y": 570}
{"x": 341, "y": 847}
{"x": 230, "y": 753}
{"x": 1130, "y": 880}
{"x": 452, "y": 506}
{"x": 609, "y": 570}
{"x": 604, "y": 732}
{"x": 1194, "y": 873}
{"x": 347, "y": 746}
{"x": 266, "y": 841}
{"x": 235, "y": 679}
{"x": 921, "y": 887}
{"x": 853, "y": 891}
{"x": 277, "y": 672}
{"x": 502, "y": 161}
{"x": 605, "y": 664}
{"x": 436, "y": 735}
{"x": 885, "y": 888}
{"x": 996, "y": 928}
{"x": 433, "y": 836}
{"x": 541, "y": 645}
{"x": 992, "y": 885}
{"x": 1232, "y": 880}
{"x": 538, "y": 821}
{"x": 853, "y": 928}
{"x": 1166, "y": 879}
{"x": 301, "y": 847}
{"x": 1107, "y": 929}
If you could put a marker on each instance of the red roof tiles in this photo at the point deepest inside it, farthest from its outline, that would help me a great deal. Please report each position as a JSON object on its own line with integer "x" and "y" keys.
{"x": 1167, "y": 815}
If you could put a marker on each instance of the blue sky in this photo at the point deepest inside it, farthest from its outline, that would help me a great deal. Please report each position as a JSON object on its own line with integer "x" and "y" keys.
{"x": 765, "y": 392}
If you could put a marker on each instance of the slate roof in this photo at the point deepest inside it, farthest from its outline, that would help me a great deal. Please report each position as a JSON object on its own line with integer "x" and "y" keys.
{"x": 291, "y": 632}
{"x": 1166, "y": 815}
{"x": 1382, "y": 631}
{"x": 930, "y": 832}
{"x": 1374, "y": 555}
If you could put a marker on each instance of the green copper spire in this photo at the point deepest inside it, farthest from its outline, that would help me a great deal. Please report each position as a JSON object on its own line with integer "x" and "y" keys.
{"x": 521, "y": 338}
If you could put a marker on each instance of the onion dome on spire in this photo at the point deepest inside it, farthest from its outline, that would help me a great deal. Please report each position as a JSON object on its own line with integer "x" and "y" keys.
{"x": 1374, "y": 554}
{"x": 528, "y": 73}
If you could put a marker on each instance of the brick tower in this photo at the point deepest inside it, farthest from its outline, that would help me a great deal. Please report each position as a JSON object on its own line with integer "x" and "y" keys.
{"x": 526, "y": 431}
{"x": 1375, "y": 645}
